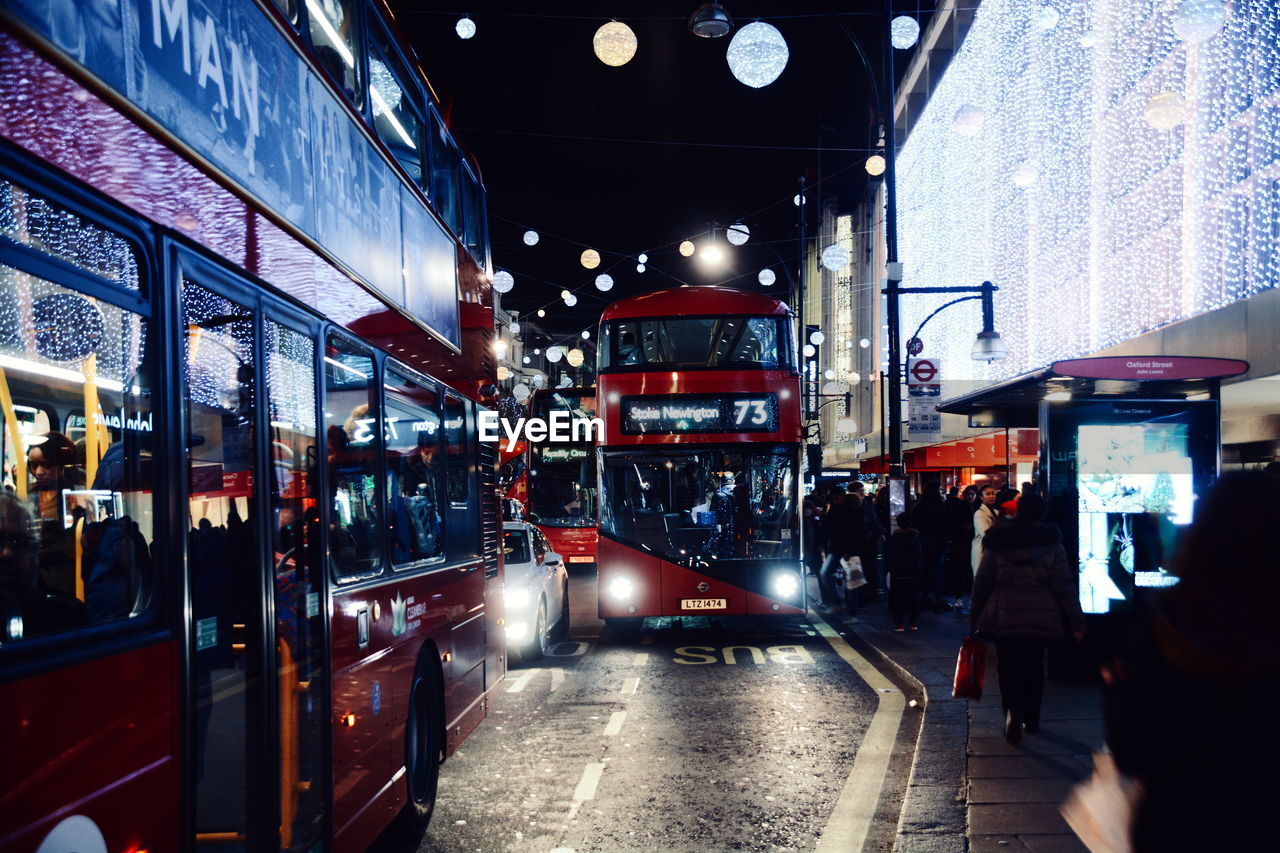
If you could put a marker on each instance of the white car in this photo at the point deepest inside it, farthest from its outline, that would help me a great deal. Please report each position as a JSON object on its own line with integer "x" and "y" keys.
{"x": 535, "y": 591}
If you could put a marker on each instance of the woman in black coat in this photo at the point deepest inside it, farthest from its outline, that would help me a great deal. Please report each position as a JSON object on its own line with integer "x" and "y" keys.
{"x": 1188, "y": 702}
{"x": 1024, "y": 597}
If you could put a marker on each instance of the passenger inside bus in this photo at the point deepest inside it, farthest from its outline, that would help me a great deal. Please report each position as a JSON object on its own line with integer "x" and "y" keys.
{"x": 27, "y": 607}
{"x": 629, "y": 351}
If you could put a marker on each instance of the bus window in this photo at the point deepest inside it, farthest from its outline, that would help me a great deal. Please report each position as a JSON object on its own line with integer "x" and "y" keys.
{"x": 444, "y": 175}
{"x": 393, "y": 99}
{"x": 458, "y": 469}
{"x": 414, "y": 467}
{"x": 473, "y": 196}
{"x": 288, "y": 8}
{"x": 702, "y": 341}
{"x": 76, "y": 522}
{"x": 351, "y": 420}
{"x": 335, "y": 43}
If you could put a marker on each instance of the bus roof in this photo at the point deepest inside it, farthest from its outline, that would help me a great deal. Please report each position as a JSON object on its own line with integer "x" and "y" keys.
{"x": 709, "y": 300}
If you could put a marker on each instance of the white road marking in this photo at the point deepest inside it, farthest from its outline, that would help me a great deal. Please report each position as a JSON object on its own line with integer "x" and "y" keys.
{"x": 850, "y": 821}
{"x": 630, "y": 686}
{"x": 523, "y": 680}
{"x": 557, "y": 678}
{"x": 562, "y": 850}
{"x": 641, "y": 659}
{"x": 586, "y": 789}
{"x": 615, "y": 723}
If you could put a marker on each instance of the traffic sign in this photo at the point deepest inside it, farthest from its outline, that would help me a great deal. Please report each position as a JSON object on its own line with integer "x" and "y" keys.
{"x": 922, "y": 371}
{"x": 915, "y": 346}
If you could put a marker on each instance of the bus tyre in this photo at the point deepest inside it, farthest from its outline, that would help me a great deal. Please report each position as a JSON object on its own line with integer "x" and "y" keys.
{"x": 626, "y": 629}
{"x": 424, "y": 750}
{"x": 561, "y": 629}
{"x": 541, "y": 642}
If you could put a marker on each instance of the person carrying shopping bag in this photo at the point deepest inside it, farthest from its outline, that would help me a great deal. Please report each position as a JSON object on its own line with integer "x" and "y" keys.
{"x": 1023, "y": 599}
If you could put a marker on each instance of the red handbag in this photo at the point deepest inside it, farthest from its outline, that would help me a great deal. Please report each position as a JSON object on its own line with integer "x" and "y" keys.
{"x": 971, "y": 669}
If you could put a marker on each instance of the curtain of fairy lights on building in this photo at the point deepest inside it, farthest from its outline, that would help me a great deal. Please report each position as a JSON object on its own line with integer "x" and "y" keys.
{"x": 1112, "y": 168}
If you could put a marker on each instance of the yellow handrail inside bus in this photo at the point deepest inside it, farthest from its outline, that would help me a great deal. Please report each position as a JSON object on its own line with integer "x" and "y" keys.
{"x": 220, "y": 837}
{"x": 91, "y": 419}
{"x": 288, "y": 743}
{"x": 15, "y": 437}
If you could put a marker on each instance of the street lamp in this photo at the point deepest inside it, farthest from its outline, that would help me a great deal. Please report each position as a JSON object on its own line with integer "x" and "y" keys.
{"x": 988, "y": 346}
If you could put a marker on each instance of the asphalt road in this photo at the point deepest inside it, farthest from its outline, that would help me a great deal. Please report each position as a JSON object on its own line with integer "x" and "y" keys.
{"x": 700, "y": 737}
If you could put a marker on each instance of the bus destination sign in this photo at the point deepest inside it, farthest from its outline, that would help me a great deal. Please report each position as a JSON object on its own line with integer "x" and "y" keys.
{"x": 699, "y": 413}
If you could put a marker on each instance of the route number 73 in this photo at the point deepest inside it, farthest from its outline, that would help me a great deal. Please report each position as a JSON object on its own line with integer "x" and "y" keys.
{"x": 756, "y": 408}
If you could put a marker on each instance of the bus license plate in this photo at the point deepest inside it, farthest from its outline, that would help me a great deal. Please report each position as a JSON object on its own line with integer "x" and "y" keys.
{"x": 582, "y": 559}
{"x": 704, "y": 604}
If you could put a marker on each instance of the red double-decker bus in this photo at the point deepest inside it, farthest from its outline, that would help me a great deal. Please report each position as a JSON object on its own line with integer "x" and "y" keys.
{"x": 699, "y": 468}
{"x": 561, "y": 477}
{"x": 250, "y": 574}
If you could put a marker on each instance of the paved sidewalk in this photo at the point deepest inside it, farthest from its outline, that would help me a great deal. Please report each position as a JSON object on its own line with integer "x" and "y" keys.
{"x": 969, "y": 788}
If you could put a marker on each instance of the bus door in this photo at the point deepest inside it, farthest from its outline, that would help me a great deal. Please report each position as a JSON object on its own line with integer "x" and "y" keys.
{"x": 254, "y": 561}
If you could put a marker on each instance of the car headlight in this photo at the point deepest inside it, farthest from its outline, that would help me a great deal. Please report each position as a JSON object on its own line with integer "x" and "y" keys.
{"x": 785, "y": 584}
{"x": 517, "y": 632}
{"x": 621, "y": 588}
{"x": 516, "y": 597}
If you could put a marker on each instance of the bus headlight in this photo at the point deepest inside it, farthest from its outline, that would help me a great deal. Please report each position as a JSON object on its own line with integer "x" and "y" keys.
{"x": 621, "y": 588}
{"x": 785, "y": 585}
{"x": 516, "y": 597}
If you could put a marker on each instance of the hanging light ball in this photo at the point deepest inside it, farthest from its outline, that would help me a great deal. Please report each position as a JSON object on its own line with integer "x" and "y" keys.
{"x": 1089, "y": 38}
{"x": 514, "y": 327}
{"x": 848, "y": 426}
{"x": 526, "y": 359}
{"x": 564, "y": 294}
{"x": 809, "y": 350}
{"x": 538, "y": 380}
{"x": 875, "y": 165}
{"x": 1045, "y": 18}
{"x": 542, "y": 312}
{"x": 1025, "y": 175}
{"x": 554, "y": 354}
{"x": 864, "y": 343}
{"x": 640, "y": 267}
{"x": 504, "y": 373}
{"x": 712, "y": 253}
{"x": 500, "y": 348}
{"x": 757, "y": 54}
{"x": 590, "y": 259}
{"x": 766, "y": 277}
{"x": 904, "y": 32}
{"x": 586, "y": 334}
{"x": 968, "y": 120}
{"x": 521, "y": 392}
{"x": 1165, "y": 111}
{"x": 828, "y": 374}
{"x": 835, "y": 257}
{"x": 687, "y": 248}
{"x": 575, "y": 357}
{"x": 854, "y": 378}
{"x": 530, "y": 238}
{"x": 604, "y": 282}
{"x": 614, "y": 44}
{"x": 465, "y": 28}
{"x": 571, "y": 300}
{"x": 565, "y": 382}
{"x": 1198, "y": 20}
{"x": 537, "y": 351}
{"x": 503, "y": 281}
{"x": 738, "y": 234}
{"x": 798, "y": 200}
{"x": 831, "y": 389}
{"x": 644, "y": 259}
{"x": 816, "y": 337}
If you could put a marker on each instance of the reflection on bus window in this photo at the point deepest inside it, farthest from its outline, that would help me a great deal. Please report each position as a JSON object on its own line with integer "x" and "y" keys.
{"x": 392, "y": 100}
{"x": 702, "y": 341}
{"x": 445, "y": 162}
{"x": 351, "y": 420}
{"x": 457, "y": 468}
{"x": 695, "y": 507}
{"x": 562, "y": 482}
{"x": 76, "y": 526}
{"x": 334, "y": 42}
{"x": 414, "y": 467}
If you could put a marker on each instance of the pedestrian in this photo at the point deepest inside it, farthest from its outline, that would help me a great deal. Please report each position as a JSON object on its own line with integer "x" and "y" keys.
{"x": 984, "y": 516}
{"x": 928, "y": 519}
{"x": 873, "y": 534}
{"x": 1007, "y": 502}
{"x": 812, "y": 521}
{"x": 842, "y": 535}
{"x": 904, "y": 556}
{"x": 1187, "y": 700}
{"x": 1024, "y": 597}
{"x": 959, "y": 573}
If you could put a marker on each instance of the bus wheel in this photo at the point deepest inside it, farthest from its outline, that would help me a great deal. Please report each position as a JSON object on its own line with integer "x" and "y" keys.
{"x": 541, "y": 642}
{"x": 424, "y": 749}
{"x": 626, "y": 629}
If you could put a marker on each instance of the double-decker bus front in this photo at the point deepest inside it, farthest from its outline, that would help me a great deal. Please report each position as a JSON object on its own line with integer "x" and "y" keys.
{"x": 699, "y": 469}
{"x": 562, "y": 477}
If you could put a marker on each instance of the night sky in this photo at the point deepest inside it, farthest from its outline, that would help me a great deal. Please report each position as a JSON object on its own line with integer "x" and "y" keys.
{"x": 541, "y": 114}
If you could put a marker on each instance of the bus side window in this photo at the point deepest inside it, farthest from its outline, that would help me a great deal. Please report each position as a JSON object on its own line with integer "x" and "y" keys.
{"x": 75, "y": 512}
{"x": 335, "y": 43}
{"x": 414, "y": 464}
{"x": 353, "y": 437}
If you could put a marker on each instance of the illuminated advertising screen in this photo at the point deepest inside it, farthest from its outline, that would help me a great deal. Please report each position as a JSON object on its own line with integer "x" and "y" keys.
{"x": 1123, "y": 481}
{"x": 699, "y": 413}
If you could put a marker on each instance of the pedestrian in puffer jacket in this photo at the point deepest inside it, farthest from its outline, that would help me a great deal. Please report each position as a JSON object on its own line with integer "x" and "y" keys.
{"x": 1024, "y": 597}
